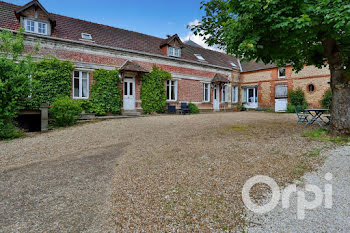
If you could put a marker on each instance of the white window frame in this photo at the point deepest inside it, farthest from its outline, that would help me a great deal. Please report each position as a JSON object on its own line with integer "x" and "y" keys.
{"x": 200, "y": 57}
{"x": 81, "y": 84}
{"x": 36, "y": 26}
{"x": 278, "y": 71}
{"x": 86, "y": 36}
{"x": 174, "y": 51}
{"x": 235, "y": 94}
{"x": 171, "y": 83}
{"x": 204, "y": 88}
{"x": 224, "y": 98}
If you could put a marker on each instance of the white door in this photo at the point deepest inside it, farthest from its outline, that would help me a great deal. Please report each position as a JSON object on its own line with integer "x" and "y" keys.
{"x": 216, "y": 98}
{"x": 129, "y": 94}
{"x": 281, "y": 98}
{"x": 281, "y": 105}
{"x": 251, "y": 97}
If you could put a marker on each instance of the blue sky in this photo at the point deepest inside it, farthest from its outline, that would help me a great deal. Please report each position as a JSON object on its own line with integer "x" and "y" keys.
{"x": 153, "y": 17}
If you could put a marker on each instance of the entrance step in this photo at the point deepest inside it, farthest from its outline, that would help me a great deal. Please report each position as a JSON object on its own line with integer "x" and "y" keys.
{"x": 131, "y": 113}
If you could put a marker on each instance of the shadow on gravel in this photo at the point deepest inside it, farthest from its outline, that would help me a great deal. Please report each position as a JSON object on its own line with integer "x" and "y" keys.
{"x": 69, "y": 194}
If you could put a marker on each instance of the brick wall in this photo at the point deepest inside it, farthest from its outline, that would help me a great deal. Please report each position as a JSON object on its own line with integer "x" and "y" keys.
{"x": 268, "y": 79}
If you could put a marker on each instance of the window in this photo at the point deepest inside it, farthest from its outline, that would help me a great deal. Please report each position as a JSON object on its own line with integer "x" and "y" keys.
{"x": 81, "y": 85}
{"x": 30, "y": 26}
{"x": 235, "y": 94}
{"x": 281, "y": 91}
{"x": 86, "y": 36}
{"x": 35, "y": 27}
{"x": 250, "y": 95}
{"x": 282, "y": 72}
{"x": 206, "y": 92}
{"x": 171, "y": 90}
{"x": 199, "y": 57}
{"x": 42, "y": 28}
{"x": 311, "y": 88}
{"x": 174, "y": 52}
{"x": 224, "y": 94}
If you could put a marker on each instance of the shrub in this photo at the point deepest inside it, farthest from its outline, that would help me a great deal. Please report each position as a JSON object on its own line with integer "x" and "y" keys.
{"x": 8, "y": 131}
{"x": 106, "y": 96}
{"x": 297, "y": 97}
{"x": 290, "y": 108}
{"x": 14, "y": 81}
{"x": 153, "y": 93}
{"x": 65, "y": 111}
{"x": 326, "y": 101}
{"x": 193, "y": 108}
{"x": 86, "y": 105}
{"x": 50, "y": 78}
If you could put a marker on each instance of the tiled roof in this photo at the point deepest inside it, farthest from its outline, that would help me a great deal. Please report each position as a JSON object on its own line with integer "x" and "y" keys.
{"x": 255, "y": 66}
{"x": 219, "y": 79}
{"x": 133, "y": 66}
{"x": 71, "y": 28}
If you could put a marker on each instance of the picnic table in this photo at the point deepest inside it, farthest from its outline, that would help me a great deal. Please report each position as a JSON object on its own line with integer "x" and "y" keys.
{"x": 316, "y": 114}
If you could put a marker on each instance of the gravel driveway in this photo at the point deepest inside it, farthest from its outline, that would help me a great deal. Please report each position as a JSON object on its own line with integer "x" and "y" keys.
{"x": 336, "y": 219}
{"x": 67, "y": 194}
{"x": 157, "y": 174}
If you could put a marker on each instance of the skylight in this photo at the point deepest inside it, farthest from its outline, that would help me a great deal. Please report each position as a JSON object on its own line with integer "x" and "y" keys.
{"x": 233, "y": 64}
{"x": 86, "y": 36}
{"x": 200, "y": 57}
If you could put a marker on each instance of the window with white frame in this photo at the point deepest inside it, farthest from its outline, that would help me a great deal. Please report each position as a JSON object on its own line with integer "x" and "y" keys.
{"x": 206, "y": 92}
{"x": 35, "y": 27}
{"x": 81, "y": 85}
{"x": 235, "y": 94}
{"x": 282, "y": 72}
{"x": 174, "y": 52}
{"x": 224, "y": 94}
{"x": 86, "y": 36}
{"x": 171, "y": 90}
{"x": 199, "y": 57}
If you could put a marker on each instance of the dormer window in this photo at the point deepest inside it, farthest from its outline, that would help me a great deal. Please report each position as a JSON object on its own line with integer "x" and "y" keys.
{"x": 174, "y": 52}
{"x": 35, "y": 27}
{"x": 199, "y": 57}
{"x": 86, "y": 36}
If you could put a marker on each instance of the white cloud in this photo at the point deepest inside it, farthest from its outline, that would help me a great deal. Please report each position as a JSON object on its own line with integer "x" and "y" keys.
{"x": 196, "y": 38}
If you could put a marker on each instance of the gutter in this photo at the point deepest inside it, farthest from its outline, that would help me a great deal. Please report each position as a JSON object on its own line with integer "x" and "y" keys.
{"x": 118, "y": 49}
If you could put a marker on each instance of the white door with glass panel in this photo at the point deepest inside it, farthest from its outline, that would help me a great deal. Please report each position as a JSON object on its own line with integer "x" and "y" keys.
{"x": 216, "y": 98}
{"x": 250, "y": 97}
{"x": 129, "y": 93}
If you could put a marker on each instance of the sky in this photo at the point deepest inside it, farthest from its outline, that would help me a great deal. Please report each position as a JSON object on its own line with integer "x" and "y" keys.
{"x": 153, "y": 17}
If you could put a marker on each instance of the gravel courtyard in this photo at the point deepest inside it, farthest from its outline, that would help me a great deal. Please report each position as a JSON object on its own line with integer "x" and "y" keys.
{"x": 153, "y": 174}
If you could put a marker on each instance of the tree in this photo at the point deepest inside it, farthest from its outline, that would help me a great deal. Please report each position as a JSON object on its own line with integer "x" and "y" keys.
{"x": 308, "y": 32}
{"x": 153, "y": 94}
{"x": 14, "y": 81}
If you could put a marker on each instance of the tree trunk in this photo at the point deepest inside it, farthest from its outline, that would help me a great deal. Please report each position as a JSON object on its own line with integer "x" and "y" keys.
{"x": 340, "y": 84}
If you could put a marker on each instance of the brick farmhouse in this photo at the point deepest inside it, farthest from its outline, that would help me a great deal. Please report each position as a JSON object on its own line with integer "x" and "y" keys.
{"x": 212, "y": 80}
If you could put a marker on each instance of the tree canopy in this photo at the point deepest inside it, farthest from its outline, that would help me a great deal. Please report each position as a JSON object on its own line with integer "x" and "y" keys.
{"x": 279, "y": 31}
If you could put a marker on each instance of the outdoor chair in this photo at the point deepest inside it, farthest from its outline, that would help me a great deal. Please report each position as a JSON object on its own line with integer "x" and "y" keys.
{"x": 302, "y": 116}
{"x": 171, "y": 109}
{"x": 184, "y": 108}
